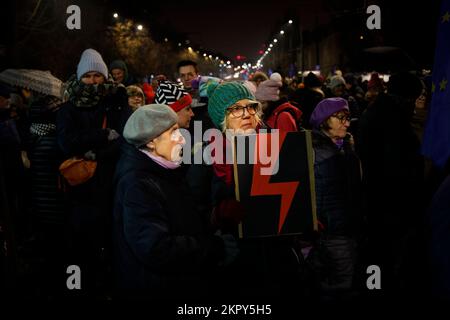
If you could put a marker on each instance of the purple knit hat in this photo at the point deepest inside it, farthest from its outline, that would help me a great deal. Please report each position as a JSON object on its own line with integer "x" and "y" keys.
{"x": 325, "y": 109}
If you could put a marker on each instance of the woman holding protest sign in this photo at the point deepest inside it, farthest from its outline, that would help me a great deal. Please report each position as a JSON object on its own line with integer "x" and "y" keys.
{"x": 264, "y": 266}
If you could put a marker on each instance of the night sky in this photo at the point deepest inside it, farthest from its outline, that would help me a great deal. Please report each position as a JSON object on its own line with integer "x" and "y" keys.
{"x": 229, "y": 27}
{"x": 241, "y": 27}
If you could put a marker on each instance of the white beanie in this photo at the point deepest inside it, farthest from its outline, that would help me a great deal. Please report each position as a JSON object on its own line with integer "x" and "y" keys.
{"x": 90, "y": 61}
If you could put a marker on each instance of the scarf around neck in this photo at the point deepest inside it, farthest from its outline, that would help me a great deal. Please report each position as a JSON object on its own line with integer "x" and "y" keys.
{"x": 161, "y": 161}
{"x": 87, "y": 95}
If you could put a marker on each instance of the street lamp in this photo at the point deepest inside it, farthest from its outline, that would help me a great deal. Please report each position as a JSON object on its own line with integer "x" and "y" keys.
{"x": 116, "y": 15}
{"x": 140, "y": 27}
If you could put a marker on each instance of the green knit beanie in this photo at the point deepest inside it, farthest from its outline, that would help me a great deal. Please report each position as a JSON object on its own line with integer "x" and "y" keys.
{"x": 221, "y": 96}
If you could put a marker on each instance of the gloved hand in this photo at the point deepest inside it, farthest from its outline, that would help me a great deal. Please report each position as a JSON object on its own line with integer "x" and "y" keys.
{"x": 227, "y": 214}
{"x": 90, "y": 155}
{"x": 231, "y": 249}
{"x": 112, "y": 135}
{"x": 268, "y": 90}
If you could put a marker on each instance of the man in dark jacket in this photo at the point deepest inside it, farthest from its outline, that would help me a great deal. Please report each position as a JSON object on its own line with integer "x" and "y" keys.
{"x": 89, "y": 126}
{"x": 393, "y": 175}
{"x": 163, "y": 247}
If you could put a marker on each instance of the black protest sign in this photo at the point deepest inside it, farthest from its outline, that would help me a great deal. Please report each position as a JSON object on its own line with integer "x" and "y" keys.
{"x": 274, "y": 177}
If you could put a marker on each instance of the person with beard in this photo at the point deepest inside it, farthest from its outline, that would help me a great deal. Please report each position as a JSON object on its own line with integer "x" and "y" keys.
{"x": 89, "y": 126}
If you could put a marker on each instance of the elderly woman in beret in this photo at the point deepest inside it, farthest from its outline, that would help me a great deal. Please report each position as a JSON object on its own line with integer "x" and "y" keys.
{"x": 162, "y": 246}
{"x": 338, "y": 198}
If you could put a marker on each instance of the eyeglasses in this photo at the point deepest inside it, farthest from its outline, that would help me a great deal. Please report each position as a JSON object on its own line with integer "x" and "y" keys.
{"x": 342, "y": 118}
{"x": 238, "y": 111}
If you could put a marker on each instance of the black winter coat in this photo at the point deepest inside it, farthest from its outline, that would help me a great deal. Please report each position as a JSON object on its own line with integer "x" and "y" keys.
{"x": 392, "y": 164}
{"x": 162, "y": 247}
{"x": 79, "y": 129}
{"x": 338, "y": 183}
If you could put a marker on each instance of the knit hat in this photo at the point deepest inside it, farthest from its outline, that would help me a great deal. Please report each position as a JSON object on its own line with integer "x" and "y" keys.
{"x": 90, "y": 61}
{"x": 312, "y": 81}
{"x": 120, "y": 64}
{"x": 325, "y": 109}
{"x": 147, "y": 123}
{"x": 375, "y": 82}
{"x": 222, "y": 96}
{"x": 350, "y": 78}
{"x": 171, "y": 94}
{"x": 336, "y": 81}
{"x": 269, "y": 90}
{"x": 405, "y": 84}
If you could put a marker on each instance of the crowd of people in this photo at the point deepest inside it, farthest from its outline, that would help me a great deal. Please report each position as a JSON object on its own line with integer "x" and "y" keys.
{"x": 143, "y": 224}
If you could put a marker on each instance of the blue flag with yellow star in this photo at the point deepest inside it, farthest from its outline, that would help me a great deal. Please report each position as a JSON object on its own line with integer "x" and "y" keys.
{"x": 436, "y": 143}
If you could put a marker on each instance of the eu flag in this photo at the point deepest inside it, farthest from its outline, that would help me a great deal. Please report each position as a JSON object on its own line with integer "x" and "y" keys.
{"x": 436, "y": 144}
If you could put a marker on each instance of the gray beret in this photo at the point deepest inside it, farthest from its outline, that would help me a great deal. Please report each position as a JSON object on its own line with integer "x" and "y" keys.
{"x": 148, "y": 122}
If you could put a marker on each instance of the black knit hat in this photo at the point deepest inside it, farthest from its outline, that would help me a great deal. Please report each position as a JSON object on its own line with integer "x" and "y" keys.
{"x": 312, "y": 81}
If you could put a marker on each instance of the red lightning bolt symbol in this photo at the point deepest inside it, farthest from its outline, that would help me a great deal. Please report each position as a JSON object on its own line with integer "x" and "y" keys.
{"x": 261, "y": 185}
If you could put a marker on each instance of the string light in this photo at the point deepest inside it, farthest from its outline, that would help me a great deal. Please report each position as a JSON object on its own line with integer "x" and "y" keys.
{"x": 116, "y": 15}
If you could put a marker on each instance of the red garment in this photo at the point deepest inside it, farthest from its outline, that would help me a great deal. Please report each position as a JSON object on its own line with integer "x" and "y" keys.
{"x": 229, "y": 212}
{"x": 222, "y": 170}
{"x": 149, "y": 93}
{"x": 284, "y": 118}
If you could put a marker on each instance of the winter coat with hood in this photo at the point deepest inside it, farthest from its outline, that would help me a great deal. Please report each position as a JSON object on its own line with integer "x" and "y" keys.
{"x": 283, "y": 116}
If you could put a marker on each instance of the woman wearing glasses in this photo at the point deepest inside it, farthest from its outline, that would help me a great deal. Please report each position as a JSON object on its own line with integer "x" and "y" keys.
{"x": 338, "y": 184}
{"x": 263, "y": 266}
